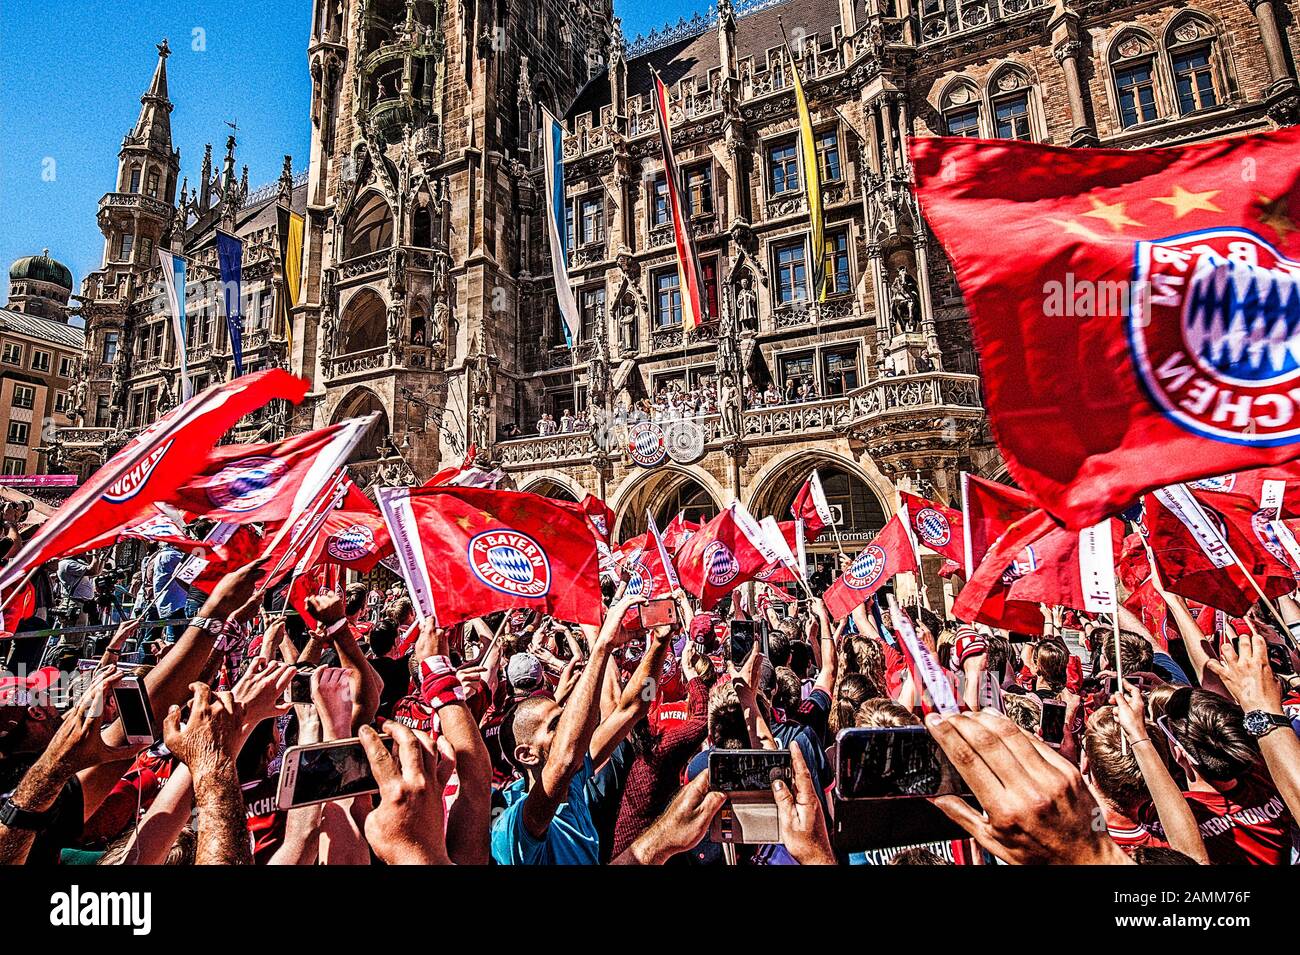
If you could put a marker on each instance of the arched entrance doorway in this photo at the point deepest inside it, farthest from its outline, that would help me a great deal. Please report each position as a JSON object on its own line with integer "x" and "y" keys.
{"x": 859, "y": 512}
{"x": 362, "y": 402}
{"x": 665, "y": 492}
{"x": 552, "y": 489}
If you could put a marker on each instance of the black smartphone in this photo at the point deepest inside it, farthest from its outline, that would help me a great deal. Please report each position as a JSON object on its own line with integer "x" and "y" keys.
{"x": 320, "y": 772}
{"x": 747, "y": 770}
{"x": 300, "y": 688}
{"x": 743, "y": 634}
{"x": 132, "y": 702}
{"x": 1051, "y": 725}
{"x": 893, "y": 763}
{"x": 1279, "y": 660}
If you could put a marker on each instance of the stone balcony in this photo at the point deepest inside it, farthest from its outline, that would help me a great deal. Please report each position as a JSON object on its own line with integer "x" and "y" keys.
{"x": 934, "y": 412}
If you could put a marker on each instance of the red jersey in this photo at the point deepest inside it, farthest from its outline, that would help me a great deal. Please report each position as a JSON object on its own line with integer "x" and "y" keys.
{"x": 1248, "y": 825}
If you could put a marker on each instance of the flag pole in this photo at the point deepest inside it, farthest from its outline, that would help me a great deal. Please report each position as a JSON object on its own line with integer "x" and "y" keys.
{"x": 1263, "y": 598}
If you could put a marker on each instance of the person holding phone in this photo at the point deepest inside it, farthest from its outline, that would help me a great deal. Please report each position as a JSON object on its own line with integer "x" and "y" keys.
{"x": 547, "y": 819}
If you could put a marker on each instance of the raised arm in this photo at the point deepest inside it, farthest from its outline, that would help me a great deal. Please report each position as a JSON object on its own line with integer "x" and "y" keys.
{"x": 634, "y": 701}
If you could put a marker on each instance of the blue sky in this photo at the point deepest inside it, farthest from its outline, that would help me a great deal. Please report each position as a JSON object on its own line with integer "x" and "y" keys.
{"x": 74, "y": 71}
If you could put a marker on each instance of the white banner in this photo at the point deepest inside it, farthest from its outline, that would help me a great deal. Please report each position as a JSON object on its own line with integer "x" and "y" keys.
{"x": 1270, "y": 497}
{"x": 754, "y": 532}
{"x": 776, "y": 540}
{"x": 670, "y": 570}
{"x": 1180, "y": 502}
{"x": 1287, "y": 540}
{"x": 932, "y": 674}
{"x": 1097, "y": 568}
{"x": 395, "y": 506}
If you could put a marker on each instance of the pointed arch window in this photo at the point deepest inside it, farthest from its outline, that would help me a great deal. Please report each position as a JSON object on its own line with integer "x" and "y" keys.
{"x": 1133, "y": 69}
{"x": 961, "y": 111}
{"x": 1009, "y": 97}
{"x": 1190, "y": 42}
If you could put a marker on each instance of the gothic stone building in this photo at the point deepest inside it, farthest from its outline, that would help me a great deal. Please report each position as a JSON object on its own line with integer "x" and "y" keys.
{"x": 130, "y": 372}
{"x": 427, "y": 291}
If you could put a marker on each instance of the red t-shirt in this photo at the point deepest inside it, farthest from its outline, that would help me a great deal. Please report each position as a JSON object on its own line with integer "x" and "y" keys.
{"x": 1136, "y": 837}
{"x": 1248, "y": 825}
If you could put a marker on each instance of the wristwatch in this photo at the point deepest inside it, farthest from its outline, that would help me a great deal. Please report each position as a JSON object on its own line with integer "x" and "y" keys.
{"x": 14, "y": 816}
{"x": 1260, "y": 723}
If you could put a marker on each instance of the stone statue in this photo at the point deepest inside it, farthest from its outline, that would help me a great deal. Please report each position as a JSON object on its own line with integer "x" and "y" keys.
{"x": 480, "y": 425}
{"x": 905, "y": 302}
{"x": 394, "y": 333}
{"x": 627, "y": 327}
{"x": 728, "y": 358}
{"x": 77, "y": 408}
{"x": 438, "y": 327}
{"x": 166, "y": 397}
{"x": 729, "y": 405}
{"x": 746, "y": 307}
{"x": 329, "y": 327}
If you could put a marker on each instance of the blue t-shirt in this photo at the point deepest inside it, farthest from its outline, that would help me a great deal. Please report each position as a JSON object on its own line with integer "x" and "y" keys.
{"x": 570, "y": 839}
{"x": 172, "y": 591}
{"x": 1166, "y": 667}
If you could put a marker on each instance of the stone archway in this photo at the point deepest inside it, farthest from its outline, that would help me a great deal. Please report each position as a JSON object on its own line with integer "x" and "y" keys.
{"x": 552, "y": 488}
{"x": 664, "y": 491}
{"x": 847, "y": 488}
{"x": 358, "y": 403}
{"x": 364, "y": 326}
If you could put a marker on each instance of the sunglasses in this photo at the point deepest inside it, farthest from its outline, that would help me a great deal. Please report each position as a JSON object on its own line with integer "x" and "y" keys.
{"x": 1162, "y": 721}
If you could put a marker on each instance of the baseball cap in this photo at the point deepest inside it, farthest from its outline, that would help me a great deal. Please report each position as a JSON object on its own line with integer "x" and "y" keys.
{"x": 968, "y": 644}
{"x": 19, "y": 690}
{"x": 524, "y": 671}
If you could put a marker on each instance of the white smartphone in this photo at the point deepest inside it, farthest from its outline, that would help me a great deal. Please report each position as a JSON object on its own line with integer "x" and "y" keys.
{"x": 321, "y": 772}
{"x": 133, "y": 708}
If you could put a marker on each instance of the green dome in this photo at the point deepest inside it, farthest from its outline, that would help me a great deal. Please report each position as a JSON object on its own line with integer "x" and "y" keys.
{"x": 42, "y": 268}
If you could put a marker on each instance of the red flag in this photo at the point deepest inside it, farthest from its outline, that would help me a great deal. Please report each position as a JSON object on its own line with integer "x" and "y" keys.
{"x": 889, "y": 554}
{"x": 688, "y": 263}
{"x": 1151, "y": 312}
{"x": 355, "y": 533}
{"x": 1250, "y": 486}
{"x": 253, "y": 483}
{"x": 810, "y": 506}
{"x": 324, "y": 577}
{"x": 988, "y": 509}
{"x": 644, "y": 567}
{"x": 239, "y": 550}
{"x": 722, "y": 555}
{"x": 677, "y": 533}
{"x": 150, "y": 467}
{"x": 779, "y": 572}
{"x": 156, "y": 527}
{"x": 1187, "y": 569}
{"x": 986, "y": 598}
{"x": 1047, "y": 570}
{"x": 936, "y": 526}
{"x": 496, "y": 550}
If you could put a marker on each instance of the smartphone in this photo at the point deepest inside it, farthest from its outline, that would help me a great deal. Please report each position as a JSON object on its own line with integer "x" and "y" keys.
{"x": 319, "y": 772}
{"x": 300, "y": 688}
{"x": 747, "y": 770}
{"x": 132, "y": 702}
{"x": 1051, "y": 725}
{"x": 742, "y": 640}
{"x": 651, "y": 614}
{"x": 893, "y": 763}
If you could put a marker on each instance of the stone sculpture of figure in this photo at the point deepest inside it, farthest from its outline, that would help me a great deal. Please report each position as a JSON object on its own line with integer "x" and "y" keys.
{"x": 627, "y": 327}
{"x": 394, "y": 333}
{"x": 438, "y": 326}
{"x": 329, "y": 334}
{"x": 746, "y": 307}
{"x": 728, "y": 356}
{"x": 78, "y": 407}
{"x": 729, "y": 405}
{"x": 905, "y": 302}
{"x": 480, "y": 425}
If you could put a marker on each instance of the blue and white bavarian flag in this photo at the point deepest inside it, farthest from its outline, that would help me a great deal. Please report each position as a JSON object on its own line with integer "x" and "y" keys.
{"x": 556, "y": 223}
{"x": 173, "y": 270}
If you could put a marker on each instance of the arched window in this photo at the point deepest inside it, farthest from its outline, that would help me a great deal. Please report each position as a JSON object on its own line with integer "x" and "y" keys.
{"x": 422, "y": 223}
{"x": 960, "y": 106}
{"x": 1190, "y": 45}
{"x": 365, "y": 324}
{"x": 369, "y": 227}
{"x": 1010, "y": 100}
{"x": 1133, "y": 71}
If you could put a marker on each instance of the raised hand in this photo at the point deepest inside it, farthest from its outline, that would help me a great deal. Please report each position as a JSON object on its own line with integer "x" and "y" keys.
{"x": 211, "y": 737}
{"x": 684, "y": 823}
{"x": 1244, "y": 670}
{"x": 260, "y": 689}
{"x": 1037, "y": 808}
{"x": 333, "y": 690}
{"x": 803, "y": 827}
{"x": 78, "y": 743}
{"x": 406, "y": 828}
{"x": 327, "y": 608}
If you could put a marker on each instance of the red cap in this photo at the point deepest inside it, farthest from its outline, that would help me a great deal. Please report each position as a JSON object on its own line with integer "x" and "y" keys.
{"x": 14, "y": 690}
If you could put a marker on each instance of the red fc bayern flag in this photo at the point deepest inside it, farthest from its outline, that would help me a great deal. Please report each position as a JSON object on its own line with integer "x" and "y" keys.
{"x": 642, "y": 565}
{"x": 988, "y": 510}
{"x": 1147, "y": 328}
{"x": 253, "y": 483}
{"x": 355, "y": 533}
{"x": 150, "y": 467}
{"x": 936, "y": 526}
{"x": 889, "y": 554}
{"x": 467, "y": 552}
{"x": 723, "y": 554}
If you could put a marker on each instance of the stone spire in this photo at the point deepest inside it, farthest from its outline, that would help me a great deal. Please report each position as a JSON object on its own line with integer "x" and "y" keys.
{"x": 285, "y": 195}
{"x": 154, "y": 126}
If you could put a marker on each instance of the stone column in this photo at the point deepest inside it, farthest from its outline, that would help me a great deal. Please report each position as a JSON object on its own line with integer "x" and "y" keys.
{"x": 1274, "y": 52}
{"x": 1067, "y": 54}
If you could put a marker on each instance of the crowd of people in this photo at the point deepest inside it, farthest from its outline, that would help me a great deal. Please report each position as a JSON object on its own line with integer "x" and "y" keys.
{"x": 518, "y": 739}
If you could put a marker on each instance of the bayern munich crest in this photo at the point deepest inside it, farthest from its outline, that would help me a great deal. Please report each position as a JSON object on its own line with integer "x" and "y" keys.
{"x": 1214, "y": 333}
{"x": 246, "y": 485}
{"x": 933, "y": 527}
{"x": 721, "y": 564}
{"x": 1026, "y": 563}
{"x": 639, "y": 579}
{"x": 353, "y": 543}
{"x": 866, "y": 568}
{"x": 645, "y": 444}
{"x": 510, "y": 562}
{"x": 1221, "y": 484}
